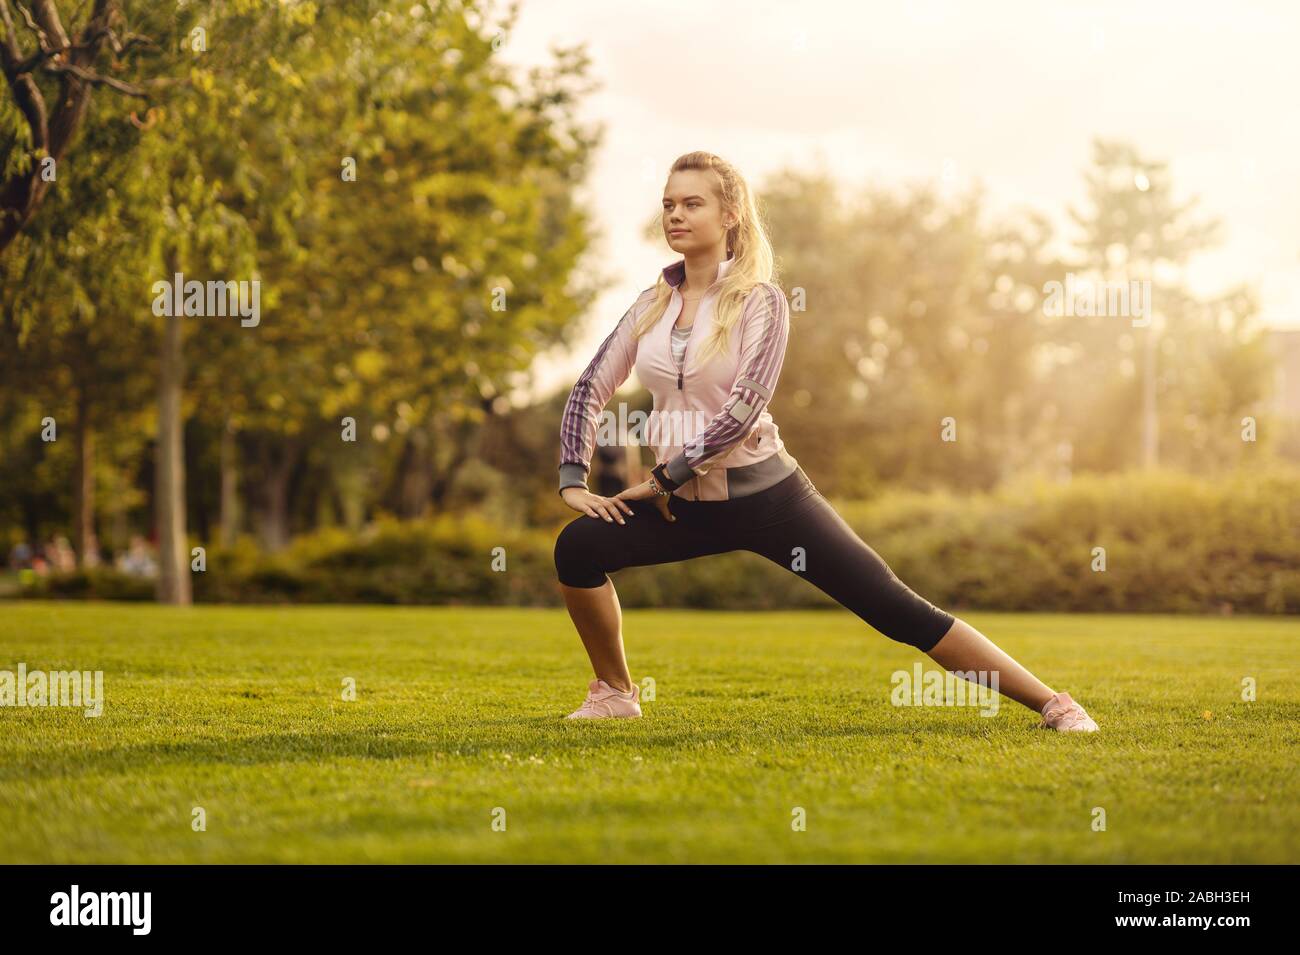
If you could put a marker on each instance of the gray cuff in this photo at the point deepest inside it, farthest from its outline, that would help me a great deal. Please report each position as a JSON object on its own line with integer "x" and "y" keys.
{"x": 678, "y": 470}
{"x": 573, "y": 475}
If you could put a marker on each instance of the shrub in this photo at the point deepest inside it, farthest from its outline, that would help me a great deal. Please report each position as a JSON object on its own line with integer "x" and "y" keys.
{"x": 1172, "y": 543}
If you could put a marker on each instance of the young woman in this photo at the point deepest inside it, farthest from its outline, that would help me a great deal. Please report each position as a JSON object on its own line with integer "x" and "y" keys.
{"x": 708, "y": 340}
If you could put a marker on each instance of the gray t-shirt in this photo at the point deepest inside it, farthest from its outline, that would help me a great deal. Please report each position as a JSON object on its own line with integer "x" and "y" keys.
{"x": 680, "y": 338}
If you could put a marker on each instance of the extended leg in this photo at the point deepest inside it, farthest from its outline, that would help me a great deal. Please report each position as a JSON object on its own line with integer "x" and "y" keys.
{"x": 965, "y": 648}
{"x": 817, "y": 544}
{"x": 820, "y": 545}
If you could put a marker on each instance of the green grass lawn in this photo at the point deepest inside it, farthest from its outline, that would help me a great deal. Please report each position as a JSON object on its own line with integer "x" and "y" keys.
{"x": 239, "y": 710}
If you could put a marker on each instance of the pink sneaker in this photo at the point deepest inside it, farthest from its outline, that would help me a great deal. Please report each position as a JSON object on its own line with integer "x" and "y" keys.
{"x": 1063, "y": 714}
{"x": 604, "y": 701}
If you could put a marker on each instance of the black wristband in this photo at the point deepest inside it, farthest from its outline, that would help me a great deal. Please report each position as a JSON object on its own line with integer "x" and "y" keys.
{"x": 660, "y": 471}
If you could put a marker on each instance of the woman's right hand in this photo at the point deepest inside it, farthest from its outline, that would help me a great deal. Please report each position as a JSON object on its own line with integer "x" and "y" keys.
{"x": 593, "y": 505}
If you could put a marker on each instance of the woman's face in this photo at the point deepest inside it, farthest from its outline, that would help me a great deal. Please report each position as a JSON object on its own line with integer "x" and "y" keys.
{"x": 694, "y": 220}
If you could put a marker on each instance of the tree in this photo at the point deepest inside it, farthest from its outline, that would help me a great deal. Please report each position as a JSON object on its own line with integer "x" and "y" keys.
{"x": 380, "y": 290}
{"x": 397, "y": 234}
{"x": 916, "y": 311}
{"x": 69, "y": 287}
{"x": 1191, "y": 368}
{"x": 1137, "y": 232}
{"x": 35, "y": 143}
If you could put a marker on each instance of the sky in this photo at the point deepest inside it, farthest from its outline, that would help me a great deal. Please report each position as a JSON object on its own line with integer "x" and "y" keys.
{"x": 1006, "y": 95}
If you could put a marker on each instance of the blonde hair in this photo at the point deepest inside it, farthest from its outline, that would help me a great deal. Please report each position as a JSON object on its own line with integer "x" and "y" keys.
{"x": 747, "y": 244}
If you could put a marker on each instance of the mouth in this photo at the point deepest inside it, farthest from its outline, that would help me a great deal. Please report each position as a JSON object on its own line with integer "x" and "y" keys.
{"x": 678, "y": 231}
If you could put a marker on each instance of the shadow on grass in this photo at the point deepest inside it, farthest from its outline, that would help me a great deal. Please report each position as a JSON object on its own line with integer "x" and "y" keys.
{"x": 473, "y": 738}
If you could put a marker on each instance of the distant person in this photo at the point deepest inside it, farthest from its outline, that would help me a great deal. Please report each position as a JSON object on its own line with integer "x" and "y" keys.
{"x": 611, "y": 478}
{"x": 20, "y": 556}
{"x": 62, "y": 557}
{"x": 708, "y": 339}
{"x": 137, "y": 560}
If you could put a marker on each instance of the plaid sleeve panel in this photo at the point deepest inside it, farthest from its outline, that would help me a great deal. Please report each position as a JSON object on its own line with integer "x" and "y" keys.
{"x": 611, "y": 366}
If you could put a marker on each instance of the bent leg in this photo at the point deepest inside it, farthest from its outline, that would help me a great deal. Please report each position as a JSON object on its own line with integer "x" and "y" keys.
{"x": 588, "y": 548}
{"x": 598, "y": 617}
{"x": 819, "y": 545}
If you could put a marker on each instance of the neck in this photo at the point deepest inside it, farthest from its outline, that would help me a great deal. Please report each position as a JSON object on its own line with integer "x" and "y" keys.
{"x": 702, "y": 268}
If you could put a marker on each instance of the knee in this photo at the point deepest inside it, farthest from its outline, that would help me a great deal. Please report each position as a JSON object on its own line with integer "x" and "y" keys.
{"x": 931, "y": 631}
{"x": 576, "y": 564}
{"x": 904, "y": 616}
{"x": 918, "y": 623}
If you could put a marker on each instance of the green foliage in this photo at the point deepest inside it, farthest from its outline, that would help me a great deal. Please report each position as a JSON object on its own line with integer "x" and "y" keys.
{"x": 411, "y": 299}
{"x": 919, "y": 310}
{"x": 414, "y": 298}
{"x": 1173, "y": 543}
{"x": 447, "y": 559}
{"x": 90, "y": 583}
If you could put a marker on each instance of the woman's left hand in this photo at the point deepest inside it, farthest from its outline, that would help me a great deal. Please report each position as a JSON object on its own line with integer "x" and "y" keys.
{"x": 639, "y": 492}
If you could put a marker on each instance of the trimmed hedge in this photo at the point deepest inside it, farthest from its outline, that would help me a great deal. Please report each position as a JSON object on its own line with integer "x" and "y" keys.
{"x": 1172, "y": 543}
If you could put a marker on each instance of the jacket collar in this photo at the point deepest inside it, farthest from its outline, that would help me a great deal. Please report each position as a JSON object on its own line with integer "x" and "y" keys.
{"x": 675, "y": 274}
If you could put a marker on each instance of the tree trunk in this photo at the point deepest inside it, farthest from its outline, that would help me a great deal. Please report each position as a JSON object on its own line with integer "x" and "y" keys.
{"x": 1150, "y": 440}
{"x": 275, "y": 515}
{"x": 454, "y": 456}
{"x": 84, "y": 539}
{"x": 415, "y": 491}
{"x": 229, "y": 484}
{"x": 275, "y": 524}
{"x": 169, "y": 491}
{"x": 1150, "y": 366}
{"x": 352, "y": 488}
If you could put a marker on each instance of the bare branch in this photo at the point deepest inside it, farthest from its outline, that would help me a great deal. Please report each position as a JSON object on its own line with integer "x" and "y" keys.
{"x": 90, "y": 76}
{"x": 47, "y": 15}
{"x": 36, "y": 59}
{"x": 27, "y": 95}
{"x": 130, "y": 41}
{"x": 9, "y": 51}
{"x": 41, "y": 39}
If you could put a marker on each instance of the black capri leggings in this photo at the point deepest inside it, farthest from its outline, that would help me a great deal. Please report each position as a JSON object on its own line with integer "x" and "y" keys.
{"x": 774, "y": 522}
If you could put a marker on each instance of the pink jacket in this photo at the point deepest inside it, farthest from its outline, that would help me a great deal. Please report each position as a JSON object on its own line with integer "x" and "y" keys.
{"x": 707, "y": 419}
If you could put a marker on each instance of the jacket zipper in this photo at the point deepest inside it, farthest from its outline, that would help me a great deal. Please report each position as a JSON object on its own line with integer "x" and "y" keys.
{"x": 695, "y": 482}
{"x": 681, "y": 368}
